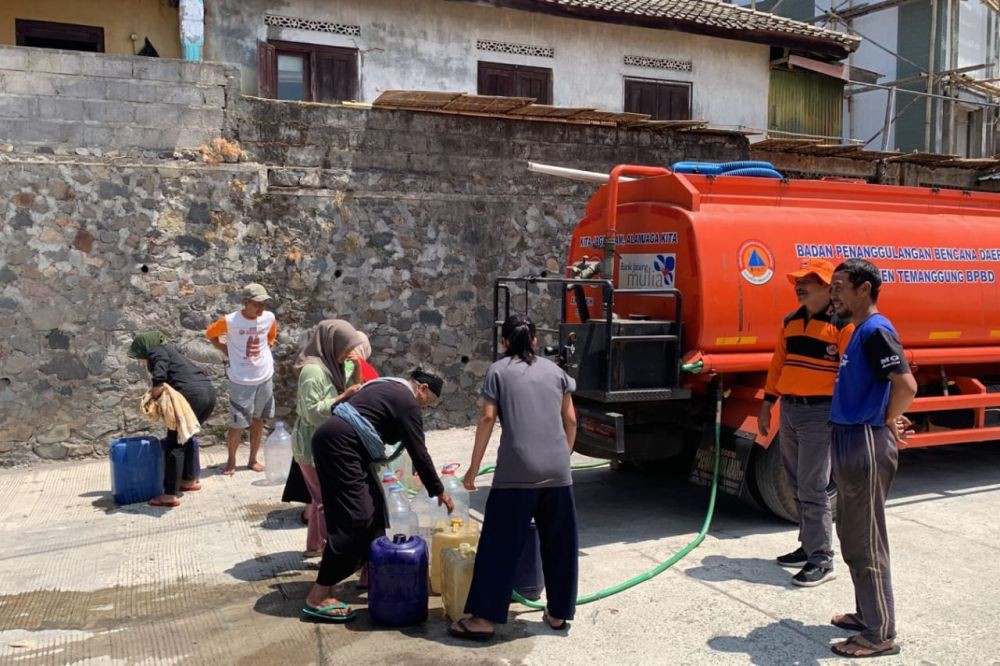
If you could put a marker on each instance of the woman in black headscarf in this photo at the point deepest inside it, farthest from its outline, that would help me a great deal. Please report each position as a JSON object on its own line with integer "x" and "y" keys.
{"x": 352, "y": 497}
{"x": 166, "y": 365}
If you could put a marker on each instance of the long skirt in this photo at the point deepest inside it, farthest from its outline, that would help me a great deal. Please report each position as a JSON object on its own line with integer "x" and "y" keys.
{"x": 352, "y": 500}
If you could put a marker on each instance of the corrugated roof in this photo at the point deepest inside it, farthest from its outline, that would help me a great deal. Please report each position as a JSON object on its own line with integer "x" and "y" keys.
{"x": 855, "y": 152}
{"x": 704, "y": 17}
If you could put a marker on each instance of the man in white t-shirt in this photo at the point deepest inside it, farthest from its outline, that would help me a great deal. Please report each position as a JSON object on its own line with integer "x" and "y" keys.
{"x": 249, "y": 334}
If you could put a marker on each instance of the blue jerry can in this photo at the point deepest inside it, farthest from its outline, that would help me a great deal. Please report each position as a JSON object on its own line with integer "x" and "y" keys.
{"x": 136, "y": 469}
{"x": 528, "y": 579}
{"x": 397, "y": 581}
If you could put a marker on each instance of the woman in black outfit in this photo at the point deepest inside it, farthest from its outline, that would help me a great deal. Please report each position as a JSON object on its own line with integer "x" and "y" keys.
{"x": 166, "y": 365}
{"x": 352, "y": 496}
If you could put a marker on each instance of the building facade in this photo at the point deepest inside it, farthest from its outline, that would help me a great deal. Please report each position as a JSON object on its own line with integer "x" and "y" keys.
{"x": 957, "y": 41}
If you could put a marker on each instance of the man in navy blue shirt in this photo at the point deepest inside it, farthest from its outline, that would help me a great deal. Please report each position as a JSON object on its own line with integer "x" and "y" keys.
{"x": 874, "y": 387}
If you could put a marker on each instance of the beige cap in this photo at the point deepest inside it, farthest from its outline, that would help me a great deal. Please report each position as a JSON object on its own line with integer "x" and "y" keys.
{"x": 255, "y": 292}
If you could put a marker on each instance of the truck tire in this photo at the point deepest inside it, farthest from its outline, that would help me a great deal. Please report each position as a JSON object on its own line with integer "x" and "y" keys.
{"x": 772, "y": 485}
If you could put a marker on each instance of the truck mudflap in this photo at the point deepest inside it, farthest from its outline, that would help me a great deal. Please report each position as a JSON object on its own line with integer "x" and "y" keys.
{"x": 599, "y": 434}
{"x": 736, "y": 447}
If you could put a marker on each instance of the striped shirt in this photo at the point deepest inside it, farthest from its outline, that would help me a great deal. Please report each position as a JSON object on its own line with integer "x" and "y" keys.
{"x": 807, "y": 355}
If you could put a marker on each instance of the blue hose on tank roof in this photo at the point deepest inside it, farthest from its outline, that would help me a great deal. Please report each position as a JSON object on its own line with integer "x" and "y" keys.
{"x": 703, "y": 168}
{"x": 755, "y": 172}
{"x": 745, "y": 164}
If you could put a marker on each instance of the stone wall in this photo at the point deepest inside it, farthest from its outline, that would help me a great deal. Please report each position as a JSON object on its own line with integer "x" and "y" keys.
{"x": 99, "y": 103}
{"x": 396, "y": 221}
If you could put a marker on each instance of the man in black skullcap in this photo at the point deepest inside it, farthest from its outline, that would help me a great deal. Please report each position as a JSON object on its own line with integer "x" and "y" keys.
{"x": 382, "y": 411}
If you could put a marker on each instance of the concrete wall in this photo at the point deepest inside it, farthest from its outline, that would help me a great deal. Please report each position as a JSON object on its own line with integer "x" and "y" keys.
{"x": 66, "y": 98}
{"x": 431, "y": 45}
{"x": 154, "y": 19}
{"x": 396, "y": 221}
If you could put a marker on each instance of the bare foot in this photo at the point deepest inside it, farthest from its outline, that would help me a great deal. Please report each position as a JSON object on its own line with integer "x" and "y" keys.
{"x": 230, "y": 468}
{"x": 553, "y": 622}
{"x": 256, "y": 466}
{"x": 191, "y": 486}
{"x": 166, "y": 501}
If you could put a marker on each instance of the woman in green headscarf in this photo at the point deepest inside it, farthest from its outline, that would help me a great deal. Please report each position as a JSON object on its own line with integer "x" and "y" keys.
{"x": 321, "y": 384}
{"x": 166, "y": 365}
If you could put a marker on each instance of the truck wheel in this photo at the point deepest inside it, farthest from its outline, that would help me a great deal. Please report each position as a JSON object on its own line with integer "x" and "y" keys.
{"x": 772, "y": 485}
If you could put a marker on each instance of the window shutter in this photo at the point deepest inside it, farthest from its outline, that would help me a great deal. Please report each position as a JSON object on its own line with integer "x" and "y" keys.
{"x": 496, "y": 79}
{"x": 336, "y": 76}
{"x": 661, "y": 101}
{"x": 267, "y": 70}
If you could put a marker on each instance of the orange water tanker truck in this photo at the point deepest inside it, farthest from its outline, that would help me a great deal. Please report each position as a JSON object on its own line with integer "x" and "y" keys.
{"x": 676, "y": 278}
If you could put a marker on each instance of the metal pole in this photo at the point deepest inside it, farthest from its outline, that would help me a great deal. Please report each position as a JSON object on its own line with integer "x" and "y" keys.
{"x": 953, "y": 64}
{"x": 890, "y": 105}
{"x": 572, "y": 174}
{"x": 929, "y": 107}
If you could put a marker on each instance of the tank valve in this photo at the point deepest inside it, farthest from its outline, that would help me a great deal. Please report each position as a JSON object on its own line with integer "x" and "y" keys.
{"x": 585, "y": 268}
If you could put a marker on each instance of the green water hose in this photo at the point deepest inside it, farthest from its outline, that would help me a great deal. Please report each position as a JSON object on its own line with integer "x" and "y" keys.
{"x": 676, "y": 557}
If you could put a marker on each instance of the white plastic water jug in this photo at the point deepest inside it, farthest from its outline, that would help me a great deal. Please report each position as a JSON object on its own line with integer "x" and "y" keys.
{"x": 277, "y": 455}
{"x": 402, "y": 520}
{"x": 457, "y": 490}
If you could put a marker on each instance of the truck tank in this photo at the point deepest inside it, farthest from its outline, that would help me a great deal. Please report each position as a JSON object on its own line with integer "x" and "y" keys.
{"x": 710, "y": 254}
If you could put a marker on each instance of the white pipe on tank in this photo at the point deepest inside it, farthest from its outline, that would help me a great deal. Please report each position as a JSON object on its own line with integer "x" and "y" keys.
{"x": 573, "y": 174}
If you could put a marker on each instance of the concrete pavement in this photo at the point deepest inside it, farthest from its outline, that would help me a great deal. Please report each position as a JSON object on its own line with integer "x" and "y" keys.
{"x": 221, "y": 579}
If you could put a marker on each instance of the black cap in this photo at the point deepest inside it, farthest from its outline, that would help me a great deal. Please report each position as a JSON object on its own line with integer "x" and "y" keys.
{"x": 434, "y": 383}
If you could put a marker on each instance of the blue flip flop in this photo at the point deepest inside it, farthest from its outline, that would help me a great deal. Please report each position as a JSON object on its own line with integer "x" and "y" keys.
{"x": 323, "y": 614}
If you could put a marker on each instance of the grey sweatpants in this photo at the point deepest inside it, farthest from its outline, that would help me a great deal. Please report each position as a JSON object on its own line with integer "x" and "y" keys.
{"x": 805, "y": 452}
{"x": 864, "y": 465}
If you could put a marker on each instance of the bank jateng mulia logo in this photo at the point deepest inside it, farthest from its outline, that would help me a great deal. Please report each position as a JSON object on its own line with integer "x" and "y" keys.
{"x": 647, "y": 271}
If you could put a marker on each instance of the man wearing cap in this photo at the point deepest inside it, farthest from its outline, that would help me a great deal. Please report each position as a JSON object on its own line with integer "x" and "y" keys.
{"x": 802, "y": 374}
{"x": 249, "y": 334}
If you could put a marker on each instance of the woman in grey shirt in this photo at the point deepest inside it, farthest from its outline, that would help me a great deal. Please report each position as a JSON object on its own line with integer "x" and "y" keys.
{"x": 531, "y": 396}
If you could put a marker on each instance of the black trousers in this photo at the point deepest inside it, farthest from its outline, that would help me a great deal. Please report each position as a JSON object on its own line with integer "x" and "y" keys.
{"x": 352, "y": 500}
{"x": 505, "y": 530}
{"x": 178, "y": 457}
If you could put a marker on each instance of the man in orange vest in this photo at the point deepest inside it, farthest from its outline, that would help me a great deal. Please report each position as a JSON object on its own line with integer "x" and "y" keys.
{"x": 802, "y": 375}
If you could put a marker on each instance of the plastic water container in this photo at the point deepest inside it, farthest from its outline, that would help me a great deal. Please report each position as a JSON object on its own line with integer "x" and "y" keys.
{"x": 277, "y": 455}
{"x": 136, "y": 469}
{"x": 402, "y": 520}
{"x": 456, "y": 532}
{"x": 529, "y": 581}
{"x": 388, "y": 478}
{"x": 397, "y": 581}
{"x": 402, "y": 469}
{"x": 429, "y": 516}
{"x": 457, "y": 490}
{"x": 457, "y": 565}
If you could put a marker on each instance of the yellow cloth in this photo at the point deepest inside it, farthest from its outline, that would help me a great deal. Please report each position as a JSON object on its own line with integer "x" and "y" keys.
{"x": 173, "y": 409}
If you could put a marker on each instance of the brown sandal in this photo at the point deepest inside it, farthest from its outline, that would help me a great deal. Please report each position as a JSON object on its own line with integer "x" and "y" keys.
{"x": 865, "y": 649}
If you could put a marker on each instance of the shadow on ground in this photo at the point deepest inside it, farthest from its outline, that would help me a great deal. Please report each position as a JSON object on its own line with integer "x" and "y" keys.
{"x": 760, "y": 643}
{"x": 757, "y": 570}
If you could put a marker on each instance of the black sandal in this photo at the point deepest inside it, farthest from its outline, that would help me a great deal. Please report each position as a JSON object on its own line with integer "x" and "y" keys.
{"x": 469, "y": 634}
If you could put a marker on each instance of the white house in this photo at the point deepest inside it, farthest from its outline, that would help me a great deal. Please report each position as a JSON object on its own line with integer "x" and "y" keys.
{"x": 682, "y": 59}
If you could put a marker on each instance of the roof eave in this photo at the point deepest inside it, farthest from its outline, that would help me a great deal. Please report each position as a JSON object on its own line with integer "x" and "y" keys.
{"x": 814, "y": 45}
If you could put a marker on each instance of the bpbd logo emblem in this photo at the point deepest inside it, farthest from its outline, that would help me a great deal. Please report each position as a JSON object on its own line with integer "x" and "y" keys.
{"x": 664, "y": 264}
{"x": 755, "y": 261}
